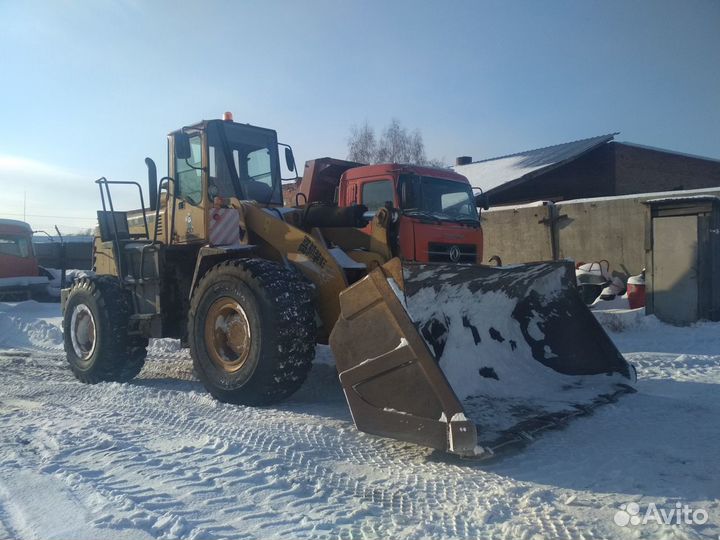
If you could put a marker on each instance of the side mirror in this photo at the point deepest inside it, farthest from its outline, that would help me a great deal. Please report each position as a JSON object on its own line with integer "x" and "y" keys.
{"x": 393, "y": 212}
{"x": 181, "y": 144}
{"x": 289, "y": 159}
{"x": 482, "y": 201}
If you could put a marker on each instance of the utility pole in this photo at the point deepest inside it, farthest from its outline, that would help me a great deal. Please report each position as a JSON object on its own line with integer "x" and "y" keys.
{"x": 24, "y": 204}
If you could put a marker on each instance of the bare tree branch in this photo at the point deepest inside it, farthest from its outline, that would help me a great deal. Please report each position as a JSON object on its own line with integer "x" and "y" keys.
{"x": 396, "y": 145}
{"x": 361, "y": 144}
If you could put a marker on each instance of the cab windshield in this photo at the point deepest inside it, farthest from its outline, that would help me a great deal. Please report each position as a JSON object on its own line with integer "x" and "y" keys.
{"x": 437, "y": 197}
{"x": 16, "y": 246}
{"x": 243, "y": 163}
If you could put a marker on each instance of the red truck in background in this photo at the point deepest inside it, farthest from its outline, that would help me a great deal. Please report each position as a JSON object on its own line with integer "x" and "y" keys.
{"x": 20, "y": 275}
{"x": 437, "y": 216}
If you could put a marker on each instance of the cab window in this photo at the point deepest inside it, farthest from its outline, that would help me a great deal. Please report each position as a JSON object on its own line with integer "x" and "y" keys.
{"x": 254, "y": 169}
{"x": 258, "y": 166}
{"x": 376, "y": 194}
{"x": 189, "y": 173}
{"x": 16, "y": 246}
{"x": 457, "y": 203}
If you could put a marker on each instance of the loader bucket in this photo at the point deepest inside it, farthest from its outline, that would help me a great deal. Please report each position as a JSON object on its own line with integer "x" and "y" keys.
{"x": 474, "y": 360}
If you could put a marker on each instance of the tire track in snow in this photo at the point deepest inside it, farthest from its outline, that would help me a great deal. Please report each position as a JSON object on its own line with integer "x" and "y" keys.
{"x": 442, "y": 499}
{"x": 254, "y": 451}
{"x": 6, "y": 527}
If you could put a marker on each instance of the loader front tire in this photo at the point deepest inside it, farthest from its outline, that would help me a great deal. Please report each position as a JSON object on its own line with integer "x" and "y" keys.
{"x": 251, "y": 329}
{"x": 95, "y": 332}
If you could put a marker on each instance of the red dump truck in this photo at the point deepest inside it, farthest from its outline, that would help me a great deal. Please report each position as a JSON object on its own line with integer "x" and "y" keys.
{"x": 20, "y": 275}
{"x": 437, "y": 218}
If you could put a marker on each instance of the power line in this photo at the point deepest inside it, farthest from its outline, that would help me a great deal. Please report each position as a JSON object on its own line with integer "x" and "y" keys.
{"x": 49, "y": 216}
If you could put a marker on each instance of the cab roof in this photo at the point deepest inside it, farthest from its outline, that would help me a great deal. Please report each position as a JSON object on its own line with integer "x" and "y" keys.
{"x": 404, "y": 168}
{"x": 20, "y": 226}
{"x": 203, "y": 125}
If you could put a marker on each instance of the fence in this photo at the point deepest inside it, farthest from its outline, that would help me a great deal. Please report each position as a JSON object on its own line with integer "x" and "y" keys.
{"x": 77, "y": 253}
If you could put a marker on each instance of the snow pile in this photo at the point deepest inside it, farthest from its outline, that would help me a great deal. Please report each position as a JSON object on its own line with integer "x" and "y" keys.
{"x": 651, "y": 334}
{"x": 30, "y": 324}
{"x": 164, "y": 346}
{"x": 619, "y": 302}
{"x": 620, "y": 320}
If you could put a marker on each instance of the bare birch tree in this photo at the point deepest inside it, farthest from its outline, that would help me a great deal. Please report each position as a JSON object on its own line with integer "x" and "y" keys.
{"x": 361, "y": 144}
{"x": 396, "y": 145}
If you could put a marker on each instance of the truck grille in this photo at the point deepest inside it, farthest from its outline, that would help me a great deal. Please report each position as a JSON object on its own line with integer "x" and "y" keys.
{"x": 438, "y": 252}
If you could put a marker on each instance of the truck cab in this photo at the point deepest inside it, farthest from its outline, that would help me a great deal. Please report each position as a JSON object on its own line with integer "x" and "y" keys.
{"x": 19, "y": 272}
{"x": 435, "y": 218}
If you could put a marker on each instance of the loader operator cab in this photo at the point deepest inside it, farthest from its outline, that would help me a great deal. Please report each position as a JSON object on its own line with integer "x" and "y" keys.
{"x": 221, "y": 158}
{"x": 239, "y": 161}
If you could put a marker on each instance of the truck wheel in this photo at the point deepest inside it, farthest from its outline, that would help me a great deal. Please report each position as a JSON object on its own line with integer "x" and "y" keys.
{"x": 251, "y": 328}
{"x": 95, "y": 331}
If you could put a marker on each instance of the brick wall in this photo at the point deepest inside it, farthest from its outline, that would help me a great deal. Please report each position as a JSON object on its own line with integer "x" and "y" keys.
{"x": 642, "y": 170}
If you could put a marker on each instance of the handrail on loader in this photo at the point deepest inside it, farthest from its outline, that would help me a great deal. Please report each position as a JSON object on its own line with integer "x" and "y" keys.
{"x": 104, "y": 182}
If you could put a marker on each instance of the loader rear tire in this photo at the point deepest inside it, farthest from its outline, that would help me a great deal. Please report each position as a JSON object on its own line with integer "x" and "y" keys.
{"x": 95, "y": 332}
{"x": 251, "y": 328}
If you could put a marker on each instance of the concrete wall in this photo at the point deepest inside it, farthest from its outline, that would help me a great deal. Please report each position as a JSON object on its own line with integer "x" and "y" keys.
{"x": 611, "y": 228}
{"x": 605, "y": 229}
{"x": 517, "y": 235}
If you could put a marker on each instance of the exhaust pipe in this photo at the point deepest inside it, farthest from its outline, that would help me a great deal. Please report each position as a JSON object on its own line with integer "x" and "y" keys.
{"x": 152, "y": 183}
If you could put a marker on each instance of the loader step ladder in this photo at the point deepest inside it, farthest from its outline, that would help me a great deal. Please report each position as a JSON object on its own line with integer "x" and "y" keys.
{"x": 132, "y": 252}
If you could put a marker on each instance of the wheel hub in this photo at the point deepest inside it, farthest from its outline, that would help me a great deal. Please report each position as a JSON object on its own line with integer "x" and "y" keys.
{"x": 227, "y": 334}
{"x": 83, "y": 332}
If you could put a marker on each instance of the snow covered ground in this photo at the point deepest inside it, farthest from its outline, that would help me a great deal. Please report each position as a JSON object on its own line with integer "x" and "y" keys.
{"x": 158, "y": 458}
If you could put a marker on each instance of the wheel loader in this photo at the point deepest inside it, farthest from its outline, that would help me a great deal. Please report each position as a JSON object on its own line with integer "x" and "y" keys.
{"x": 469, "y": 359}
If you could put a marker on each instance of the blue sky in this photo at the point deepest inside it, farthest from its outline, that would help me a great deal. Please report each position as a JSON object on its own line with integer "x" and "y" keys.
{"x": 91, "y": 88}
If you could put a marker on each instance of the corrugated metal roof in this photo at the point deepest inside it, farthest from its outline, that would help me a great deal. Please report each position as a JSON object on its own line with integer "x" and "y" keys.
{"x": 491, "y": 173}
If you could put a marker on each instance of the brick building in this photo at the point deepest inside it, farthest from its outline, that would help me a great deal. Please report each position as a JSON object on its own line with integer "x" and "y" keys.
{"x": 594, "y": 167}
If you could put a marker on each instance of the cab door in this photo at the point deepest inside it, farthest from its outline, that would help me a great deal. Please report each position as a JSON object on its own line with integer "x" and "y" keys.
{"x": 191, "y": 199}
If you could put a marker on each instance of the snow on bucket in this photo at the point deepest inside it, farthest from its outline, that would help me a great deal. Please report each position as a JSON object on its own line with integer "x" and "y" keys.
{"x": 513, "y": 342}
{"x": 471, "y": 358}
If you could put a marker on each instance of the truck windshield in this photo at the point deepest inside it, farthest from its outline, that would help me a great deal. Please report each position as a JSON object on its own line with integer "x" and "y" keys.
{"x": 247, "y": 157}
{"x": 439, "y": 197}
{"x": 16, "y": 246}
